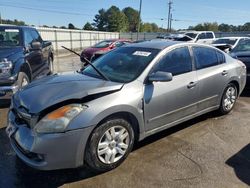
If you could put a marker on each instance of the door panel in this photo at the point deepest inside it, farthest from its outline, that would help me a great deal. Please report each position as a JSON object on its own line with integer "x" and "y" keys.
{"x": 212, "y": 75}
{"x": 41, "y": 54}
{"x": 212, "y": 82}
{"x": 165, "y": 102}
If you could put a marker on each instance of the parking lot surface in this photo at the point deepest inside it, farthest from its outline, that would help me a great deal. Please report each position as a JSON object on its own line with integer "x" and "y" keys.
{"x": 209, "y": 151}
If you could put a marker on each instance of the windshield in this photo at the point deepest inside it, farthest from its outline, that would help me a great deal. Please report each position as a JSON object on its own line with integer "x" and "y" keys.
{"x": 192, "y": 35}
{"x": 9, "y": 37}
{"x": 243, "y": 45}
{"x": 225, "y": 41}
{"x": 123, "y": 64}
{"x": 103, "y": 44}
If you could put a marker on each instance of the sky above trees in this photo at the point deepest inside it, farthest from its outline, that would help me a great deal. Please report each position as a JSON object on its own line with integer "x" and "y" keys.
{"x": 78, "y": 12}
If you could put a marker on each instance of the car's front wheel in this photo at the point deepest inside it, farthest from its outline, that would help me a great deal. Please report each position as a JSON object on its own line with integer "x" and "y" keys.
{"x": 50, "y": 65}
{"x": 228, "y": 99}
{"x": 109, "y": 144}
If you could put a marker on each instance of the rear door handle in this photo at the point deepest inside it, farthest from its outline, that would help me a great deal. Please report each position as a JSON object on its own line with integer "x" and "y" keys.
{"x": 191, "y": 85}
{"x": 224, "y": 73}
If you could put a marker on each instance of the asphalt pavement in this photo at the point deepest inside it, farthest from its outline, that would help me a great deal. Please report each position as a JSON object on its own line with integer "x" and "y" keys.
{"x": 209, "y": 151}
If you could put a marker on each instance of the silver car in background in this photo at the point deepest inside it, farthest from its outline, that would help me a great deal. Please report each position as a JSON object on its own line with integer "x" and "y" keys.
{"x": 64, "y": 121}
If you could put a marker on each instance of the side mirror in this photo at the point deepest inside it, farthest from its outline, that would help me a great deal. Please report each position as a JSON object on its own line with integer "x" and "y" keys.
{"x": 160, "y": 76}
{"x": 36, "y": 45}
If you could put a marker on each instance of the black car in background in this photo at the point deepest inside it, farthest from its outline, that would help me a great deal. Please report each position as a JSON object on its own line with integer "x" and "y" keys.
{"x": 242, "y": 52}
{"x": 24, "y": 56}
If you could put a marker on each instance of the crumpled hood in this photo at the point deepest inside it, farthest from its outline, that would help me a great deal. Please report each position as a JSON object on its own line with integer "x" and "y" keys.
{"x": 7, "y": 52}
{"x": 57, "y": 88}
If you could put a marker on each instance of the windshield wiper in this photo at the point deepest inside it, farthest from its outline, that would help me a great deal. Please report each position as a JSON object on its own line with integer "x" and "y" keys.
{"x": 88, "y": 62}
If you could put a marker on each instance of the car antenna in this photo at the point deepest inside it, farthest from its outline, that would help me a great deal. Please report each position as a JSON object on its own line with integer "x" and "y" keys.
{"x": 88, "y": 62}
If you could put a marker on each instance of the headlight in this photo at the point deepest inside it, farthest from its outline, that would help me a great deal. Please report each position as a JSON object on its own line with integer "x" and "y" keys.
{"x": 5, "y": 67}
{"x": 58, "y": 120}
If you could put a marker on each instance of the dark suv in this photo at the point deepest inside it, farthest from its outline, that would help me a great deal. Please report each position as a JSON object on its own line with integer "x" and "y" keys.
{"x": 24, "y": 56}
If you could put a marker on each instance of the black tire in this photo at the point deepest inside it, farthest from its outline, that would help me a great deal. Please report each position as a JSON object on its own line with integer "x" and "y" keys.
{"x": 22, "y": 79}
{"x": 223, "y": 107}
{"x": 94, "y": 160}
{"x": 50, "y": 65}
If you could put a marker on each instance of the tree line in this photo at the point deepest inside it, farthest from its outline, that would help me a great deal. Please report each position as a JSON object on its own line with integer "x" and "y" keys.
{"x": 220, "y": 27}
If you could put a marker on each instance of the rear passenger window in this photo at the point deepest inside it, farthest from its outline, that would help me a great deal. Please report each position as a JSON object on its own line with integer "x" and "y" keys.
{"x": 205, "y": 57}
{"x": 178, "y": 61}
{"x": 221, "y": 57}
{"x": 209, "y": 36}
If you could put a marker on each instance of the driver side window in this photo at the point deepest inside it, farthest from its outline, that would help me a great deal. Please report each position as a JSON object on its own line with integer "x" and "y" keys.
{"x": 177, "y": 61}
{"x": 28, "y": 38}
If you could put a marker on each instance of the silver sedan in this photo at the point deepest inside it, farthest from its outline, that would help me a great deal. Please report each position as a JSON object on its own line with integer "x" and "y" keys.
{"x": 94, "y": 116}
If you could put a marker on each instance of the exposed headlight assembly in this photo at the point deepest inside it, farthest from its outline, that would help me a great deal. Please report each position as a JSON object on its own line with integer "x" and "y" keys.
{"x": 58, "y": 120}
{"x": 5, "y": 68}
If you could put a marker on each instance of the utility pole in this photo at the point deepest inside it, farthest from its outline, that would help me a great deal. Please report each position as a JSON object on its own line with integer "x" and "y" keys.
{"x": 170, "y": 24}
{"x": 1, "y": 19}
{"x": 170, "y": 3}
{"x": 139, "y": 20}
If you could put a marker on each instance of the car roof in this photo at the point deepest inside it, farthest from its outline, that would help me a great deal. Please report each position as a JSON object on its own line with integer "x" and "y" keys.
{"x": 115, "y": 40}
{"x": 155, "y": 44}
{"x": 198, "y": 32}
{"x": 232, "y": 38}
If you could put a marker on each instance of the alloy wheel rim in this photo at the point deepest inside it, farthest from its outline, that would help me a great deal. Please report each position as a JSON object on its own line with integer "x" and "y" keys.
{"x": 113, "y": 145}
{"x": 230, "y": 98}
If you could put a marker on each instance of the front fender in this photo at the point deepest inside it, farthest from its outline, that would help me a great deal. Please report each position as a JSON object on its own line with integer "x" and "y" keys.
{"x": 103, "y": 107}
{"x": 19, "y": 64}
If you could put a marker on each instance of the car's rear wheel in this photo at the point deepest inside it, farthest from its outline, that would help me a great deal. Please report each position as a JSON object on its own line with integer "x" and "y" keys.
{"x": 228, "y": 99}
{"x": 23, "y": 79}
{"x": 109, "y": 144}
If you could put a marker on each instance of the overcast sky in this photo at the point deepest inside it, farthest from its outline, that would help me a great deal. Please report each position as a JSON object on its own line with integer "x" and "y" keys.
{"x": 78, "y": 12}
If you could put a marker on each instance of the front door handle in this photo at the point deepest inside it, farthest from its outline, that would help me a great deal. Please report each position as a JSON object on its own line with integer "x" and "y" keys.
{"x": 191, "y": 85}
{"x": 224, "y": 73}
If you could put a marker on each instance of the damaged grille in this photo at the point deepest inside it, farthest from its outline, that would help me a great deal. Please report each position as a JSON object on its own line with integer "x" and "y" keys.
{"x": 22, "y": 117}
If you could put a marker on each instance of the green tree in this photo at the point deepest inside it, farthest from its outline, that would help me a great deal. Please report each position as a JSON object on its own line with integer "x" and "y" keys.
{"x": 88, "y": 26}
{"x": 71, "y": 26}
{"x": 246, "y": 27}
{"x": 132, "y": 17}
{"x": 100, "y": 20}
{"x": 116, "y": 20}
{"x": 146, "y": 27}
{"x": 207, "y": 26}
{"x": 13, "y": 22}
{"x": 224, "y": 28}
{"x": 149, "y": 27}
{"x": 154, "y": 27}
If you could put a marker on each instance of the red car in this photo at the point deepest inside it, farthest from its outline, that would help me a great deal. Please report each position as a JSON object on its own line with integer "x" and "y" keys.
{"x": 102, "y": 47}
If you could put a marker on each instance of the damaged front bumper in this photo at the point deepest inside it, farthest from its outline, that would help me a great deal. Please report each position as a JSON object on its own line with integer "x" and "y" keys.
{"x": 47, "y": 151}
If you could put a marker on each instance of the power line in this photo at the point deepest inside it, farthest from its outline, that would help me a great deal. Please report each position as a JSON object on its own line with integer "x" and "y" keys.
{"x": 44, "y": 10}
